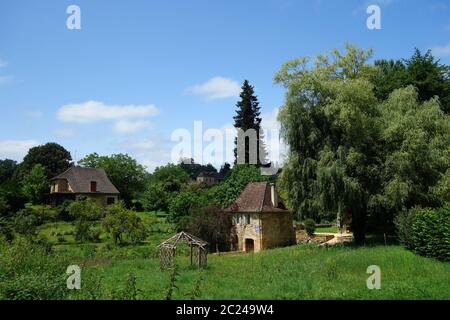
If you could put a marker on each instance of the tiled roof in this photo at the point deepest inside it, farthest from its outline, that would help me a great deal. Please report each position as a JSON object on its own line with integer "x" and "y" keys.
{"x": 256, "y": 197}
{"x": 80, "y": 179}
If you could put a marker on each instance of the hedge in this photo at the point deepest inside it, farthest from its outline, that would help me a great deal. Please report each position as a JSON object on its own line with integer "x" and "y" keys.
{"x": 426, "y": 231}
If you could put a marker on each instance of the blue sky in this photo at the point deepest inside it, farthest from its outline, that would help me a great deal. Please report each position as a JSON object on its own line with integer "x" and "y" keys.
{"x": 138, "y": 70}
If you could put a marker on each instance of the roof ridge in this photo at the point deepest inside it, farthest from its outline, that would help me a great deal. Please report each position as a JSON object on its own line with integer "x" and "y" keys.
{"x": 264, "y": 196}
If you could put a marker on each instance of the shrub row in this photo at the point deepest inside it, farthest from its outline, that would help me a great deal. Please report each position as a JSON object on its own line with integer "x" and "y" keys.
{"x": 426, "y": 231}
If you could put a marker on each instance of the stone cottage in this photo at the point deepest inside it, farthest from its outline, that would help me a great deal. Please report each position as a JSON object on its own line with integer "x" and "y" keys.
{"x": 89, "y": 182}
{"x": 260, "y": 219}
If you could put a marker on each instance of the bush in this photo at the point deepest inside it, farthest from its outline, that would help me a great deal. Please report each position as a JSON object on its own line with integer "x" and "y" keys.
{"x": 431, "y": 233}
{"x": 120, "y": 221}
{"x": 154, "y": 197}
{"x": 86, "y": 212}
{"x": 184, "y": 204}
{"x": 30, "y": 272}
{"x": 25, "y": 223}
{"x": 4, "y": 206}
{"x": 310, "y": 226}
{"x": 404, "y": 223}
{"x": 63, "y": 211}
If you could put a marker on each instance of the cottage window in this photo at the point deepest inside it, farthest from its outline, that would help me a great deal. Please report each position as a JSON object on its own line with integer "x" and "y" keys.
{"x": 247, "y": 219}
{"x": 93, "y": 186}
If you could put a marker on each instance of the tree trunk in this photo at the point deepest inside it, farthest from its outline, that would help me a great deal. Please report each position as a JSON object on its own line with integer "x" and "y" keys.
{"x": 359, "y": 226}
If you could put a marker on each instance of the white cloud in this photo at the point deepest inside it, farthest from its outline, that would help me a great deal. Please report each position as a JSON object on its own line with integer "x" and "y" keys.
{"x": 92, "y": 111}
{"x": 441, "y": 51}
{"x": 130, "y": 126}
{"x": 16, "y": 149}
{"x": 217, "y": 88}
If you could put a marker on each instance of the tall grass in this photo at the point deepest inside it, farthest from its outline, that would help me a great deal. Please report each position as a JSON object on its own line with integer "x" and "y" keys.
{"x": 301, "y": 272}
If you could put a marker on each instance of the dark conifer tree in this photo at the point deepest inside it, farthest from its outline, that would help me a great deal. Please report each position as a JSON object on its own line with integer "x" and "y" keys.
{"x": 248, "y": 116}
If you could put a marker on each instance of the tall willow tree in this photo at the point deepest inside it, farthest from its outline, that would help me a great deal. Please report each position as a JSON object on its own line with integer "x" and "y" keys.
{"x": 329, "y": 122}
{"x": 354, "y": 156}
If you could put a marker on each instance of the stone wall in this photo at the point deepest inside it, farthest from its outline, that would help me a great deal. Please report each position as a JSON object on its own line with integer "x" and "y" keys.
{"x": 249, "y": 231}
{"x": 277, "y": 230}
{"x": 267, "y": 230}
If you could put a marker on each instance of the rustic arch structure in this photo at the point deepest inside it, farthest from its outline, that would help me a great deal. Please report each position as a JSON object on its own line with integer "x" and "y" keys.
{"x": 198, "y": 253}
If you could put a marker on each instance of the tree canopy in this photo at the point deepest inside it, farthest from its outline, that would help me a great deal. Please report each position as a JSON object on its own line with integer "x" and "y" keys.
{"x": 350, "y": 154}
{"x": 53, "y": 157}
{"x": 248, "y": 117}
{"x": 423, "y": 71}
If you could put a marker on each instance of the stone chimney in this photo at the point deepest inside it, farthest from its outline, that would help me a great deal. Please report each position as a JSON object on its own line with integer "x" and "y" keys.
{"x": 274, "y": 195}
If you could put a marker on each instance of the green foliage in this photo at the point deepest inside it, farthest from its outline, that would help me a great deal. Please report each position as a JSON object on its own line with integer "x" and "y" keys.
{"x": 431, "y": 233}
{"x": 120, "y": 221}
{"x": 85, "y": 212}
{"x": 25, "y": 223}
{"x": 30, "y": 272}
{"x": 404, "y": 222}
{"x": 125, "y": 173}
{"x": 172, "y": 283}
{"x": 194, "y": 169}
{"x": 6, "y": 229}
{"x": 248, "y": 116}
{"x": 129, "y": 290}
{"x": 171, "y": 176}
{"x": 154, "y": 198}
{"x": 328, "y": 121}
{"x": 423, "y": 71}
{"x": 352, "y": 155}
{"x": 11, "y": 192}
{"x": 241, "y": 175}
{"x": 7, "y": 168}
{"x": 310, "y": 226}
{"x": 183, "y": 205}
{"x": 53, "y": 157}
{"x": 225, "y": 169}
{"x": 35, "y": 184}
{"x": 63, "y": 211}
{"x": 86, "y": 209}
{"x": 4, "y": 206}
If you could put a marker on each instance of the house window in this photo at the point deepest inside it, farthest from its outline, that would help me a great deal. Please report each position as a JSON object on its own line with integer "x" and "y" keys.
{"x": 247, "y": 219}
{"x": 110, "y": 200}
{"x": 93, "y": 186}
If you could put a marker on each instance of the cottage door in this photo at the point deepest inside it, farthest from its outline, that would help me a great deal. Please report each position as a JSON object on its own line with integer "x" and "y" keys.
{"x": 249, "y": 245}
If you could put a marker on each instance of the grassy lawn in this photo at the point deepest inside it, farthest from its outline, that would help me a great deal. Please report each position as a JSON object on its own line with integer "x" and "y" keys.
{"x": 298, "y": 272}
{"x": 327, "y": 230}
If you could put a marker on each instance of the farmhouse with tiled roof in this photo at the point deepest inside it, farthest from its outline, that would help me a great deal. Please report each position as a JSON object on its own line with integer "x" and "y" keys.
{"x": 89, "y": 182}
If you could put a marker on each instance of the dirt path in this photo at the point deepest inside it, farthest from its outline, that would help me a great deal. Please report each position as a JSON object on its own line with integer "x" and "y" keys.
{"x": 337, "y": 238}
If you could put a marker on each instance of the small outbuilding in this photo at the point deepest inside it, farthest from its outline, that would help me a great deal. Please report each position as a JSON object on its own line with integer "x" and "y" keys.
{"x": 260, "y": 219}
{"x": 198, "y": 250}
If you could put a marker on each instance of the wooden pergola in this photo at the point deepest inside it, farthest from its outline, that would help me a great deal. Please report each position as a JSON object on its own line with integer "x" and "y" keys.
{"x": 198, "y": 250}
